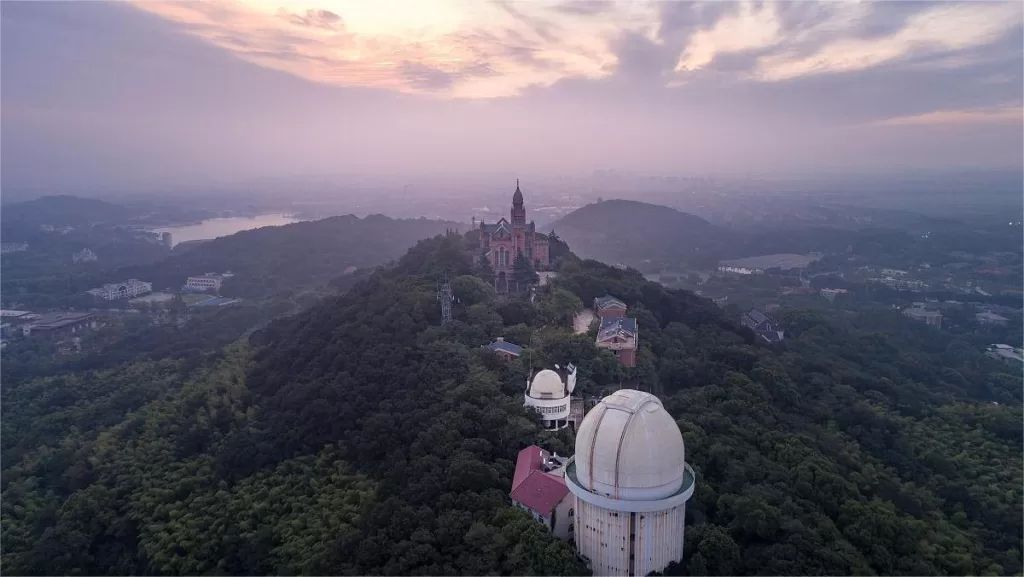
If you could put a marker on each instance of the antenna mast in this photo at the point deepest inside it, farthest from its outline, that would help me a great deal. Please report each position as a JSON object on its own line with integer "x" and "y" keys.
{"x": 444, "y": 294}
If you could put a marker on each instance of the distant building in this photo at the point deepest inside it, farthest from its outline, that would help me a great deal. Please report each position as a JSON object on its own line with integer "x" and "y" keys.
{"x": 504, "y": 349}
{"x": 8, "y": 314}
{"x": 923, "y": 315}
{"x": 55, "y": 325}
{"x": 830, "y": 294}
{"x": 127, "y": 289}
{"x": 899, "y": 283}
{"x": 9, "y": 247}
{"x": 205, "y": 282}
{"x": 165, "y": 239}
{"x": 893, "y": 272}
{"x": 84, "y": 255}
{"x": 619, "y": 335}
{"x": 502, "y": 241}
{"x": 726, "y": 269}
{"x": 609, "y": 307}
{"x": 988, "y": 318}
{"x": 550, "y": 394}
{"x": 763, "y": 325}
{"x": 1006, "y": 353}
{"x": 538, "y": 486}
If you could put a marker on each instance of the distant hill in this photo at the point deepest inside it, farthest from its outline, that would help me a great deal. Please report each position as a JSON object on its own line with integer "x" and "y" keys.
{"x": 61, "y": 211}
{"x": 273, "y": 259}
{"x": 631, "y": 232}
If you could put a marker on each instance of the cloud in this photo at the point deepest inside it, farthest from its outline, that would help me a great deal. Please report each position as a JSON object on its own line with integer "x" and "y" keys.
{"x": 1004, "y": 115}
{"x": 377, "y": 44}
{"x": 539, "y": 43}
{"x": 314, "y": 19}
{"x": 784, "y": 41}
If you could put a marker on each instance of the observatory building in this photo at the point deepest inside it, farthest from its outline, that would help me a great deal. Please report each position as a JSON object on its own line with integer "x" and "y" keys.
{"x": 630, "y": 484}
{"x": 550, "y": 394}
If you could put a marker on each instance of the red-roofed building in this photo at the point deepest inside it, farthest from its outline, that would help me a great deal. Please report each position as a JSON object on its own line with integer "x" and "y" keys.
{"x": 538, "y": 486}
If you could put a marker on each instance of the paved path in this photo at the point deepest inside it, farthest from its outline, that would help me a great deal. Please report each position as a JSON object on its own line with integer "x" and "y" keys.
{"x": 581, "y": 322}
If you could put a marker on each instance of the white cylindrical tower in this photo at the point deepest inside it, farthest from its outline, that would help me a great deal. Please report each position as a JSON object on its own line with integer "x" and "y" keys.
{"x": 550, "y": 397}
{"x": 630, "y": 483}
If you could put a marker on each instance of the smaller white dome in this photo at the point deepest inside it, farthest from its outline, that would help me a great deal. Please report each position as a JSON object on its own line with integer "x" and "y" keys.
{"x": 547, "y": 385}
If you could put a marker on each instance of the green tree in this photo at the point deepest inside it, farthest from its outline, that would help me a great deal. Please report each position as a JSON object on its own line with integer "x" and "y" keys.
{"x": 483, "y": 268}
{"x": 523, "y": 273}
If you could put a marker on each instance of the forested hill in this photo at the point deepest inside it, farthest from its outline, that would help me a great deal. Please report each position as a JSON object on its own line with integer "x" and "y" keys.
{"x": 360, "y": 437}
{"x": 628, "y": 231}
{"x": 61, "y": 210}
{"x": 278, "y": 259}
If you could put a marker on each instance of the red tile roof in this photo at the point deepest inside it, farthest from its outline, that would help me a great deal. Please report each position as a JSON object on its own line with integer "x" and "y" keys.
{"x": 529, "y": 459}
{"x": 531, "y": 486}
{"x": 540, "y": 492}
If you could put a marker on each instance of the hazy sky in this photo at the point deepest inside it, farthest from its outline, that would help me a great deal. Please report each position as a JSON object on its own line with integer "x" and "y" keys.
{"x": 150, "y": 94}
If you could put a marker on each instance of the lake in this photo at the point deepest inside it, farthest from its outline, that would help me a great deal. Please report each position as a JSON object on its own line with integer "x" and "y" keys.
{"x": 216, "y": 227}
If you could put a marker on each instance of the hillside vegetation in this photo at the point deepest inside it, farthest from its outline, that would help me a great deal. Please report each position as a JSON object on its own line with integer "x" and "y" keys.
{"x": 272, "y": 260}
{"x": 630, "y": 232}
{"x": 360, "y": 437}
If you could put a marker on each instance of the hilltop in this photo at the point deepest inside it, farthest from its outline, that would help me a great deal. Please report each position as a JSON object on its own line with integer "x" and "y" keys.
{"x": 60, "y": 211}
{"x": 360, "y": 437}
{"x": 631, "y": 232}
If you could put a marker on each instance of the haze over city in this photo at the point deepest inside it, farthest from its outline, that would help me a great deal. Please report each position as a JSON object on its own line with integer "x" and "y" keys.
{"x": 140, "y": 96}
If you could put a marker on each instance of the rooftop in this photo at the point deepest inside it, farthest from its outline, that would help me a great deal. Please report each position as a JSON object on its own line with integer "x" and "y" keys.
{"x": 608, "y": 301}
{"x": 60, "y": 320}
{"x": 505, "y": 347}
{"x": 616, "y": 325}
{"x": 538, "y": 490}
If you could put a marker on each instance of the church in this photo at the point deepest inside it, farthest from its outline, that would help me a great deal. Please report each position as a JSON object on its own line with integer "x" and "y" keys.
{"x": 505, "y": 239}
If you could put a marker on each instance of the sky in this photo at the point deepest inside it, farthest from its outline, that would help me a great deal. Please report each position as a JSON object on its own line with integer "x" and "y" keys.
{"x": 152, "y": 95}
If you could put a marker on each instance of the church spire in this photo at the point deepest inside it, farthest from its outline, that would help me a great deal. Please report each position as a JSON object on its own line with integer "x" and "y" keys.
{"x": 517, "y": 198}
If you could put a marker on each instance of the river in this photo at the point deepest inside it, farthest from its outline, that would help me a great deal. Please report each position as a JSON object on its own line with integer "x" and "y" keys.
{"x": 217, "y": 227}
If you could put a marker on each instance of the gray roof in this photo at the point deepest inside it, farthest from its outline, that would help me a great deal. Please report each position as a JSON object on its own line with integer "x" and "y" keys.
{"x": 608, "y": 300}
{"x": 60, "y": 320}
{"x": 505, "y": 347}
{"x": 610, "y": 326}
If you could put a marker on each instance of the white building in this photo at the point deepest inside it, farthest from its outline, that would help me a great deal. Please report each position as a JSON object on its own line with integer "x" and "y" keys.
{"x": 1006, "y": 353}
{"x": 84, "y": 255}
{"x": 922, "y": 315}
{"x": 9, "y": 247}
{"x": 206, "y": 282}
{"x": 630, "y": 484}
{"x": 551, "y": 396}
{"x": 832, "y": 293}
{"x": 127, "y": 289}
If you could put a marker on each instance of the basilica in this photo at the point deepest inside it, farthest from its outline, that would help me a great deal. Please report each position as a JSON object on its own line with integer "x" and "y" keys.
{"x": 505, "y": 239}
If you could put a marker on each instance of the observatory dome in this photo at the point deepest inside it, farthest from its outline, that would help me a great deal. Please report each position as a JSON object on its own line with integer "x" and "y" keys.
{"x": 547, "y": 385}
{"x": 628, "y": 447}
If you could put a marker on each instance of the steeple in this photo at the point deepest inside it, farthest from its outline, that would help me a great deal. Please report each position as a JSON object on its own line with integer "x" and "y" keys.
{"x": 518, "y": 210}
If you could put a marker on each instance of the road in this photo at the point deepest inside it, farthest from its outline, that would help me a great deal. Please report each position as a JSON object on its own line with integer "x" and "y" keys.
{"x": 581, "y": 322}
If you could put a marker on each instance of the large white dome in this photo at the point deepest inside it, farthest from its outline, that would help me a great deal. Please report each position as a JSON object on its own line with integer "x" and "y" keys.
{"x": 628, "y": 447}
{"x": 547, "y": 385}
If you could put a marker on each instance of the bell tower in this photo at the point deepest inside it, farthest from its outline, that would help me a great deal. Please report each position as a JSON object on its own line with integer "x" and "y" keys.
{"x": 518, "y": 210}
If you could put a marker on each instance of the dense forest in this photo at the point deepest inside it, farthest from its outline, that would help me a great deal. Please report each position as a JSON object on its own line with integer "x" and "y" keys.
{"x": 361, "y": 437}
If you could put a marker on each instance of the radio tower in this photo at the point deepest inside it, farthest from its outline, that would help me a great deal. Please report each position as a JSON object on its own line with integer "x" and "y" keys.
{"x": 444, "y": 294}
